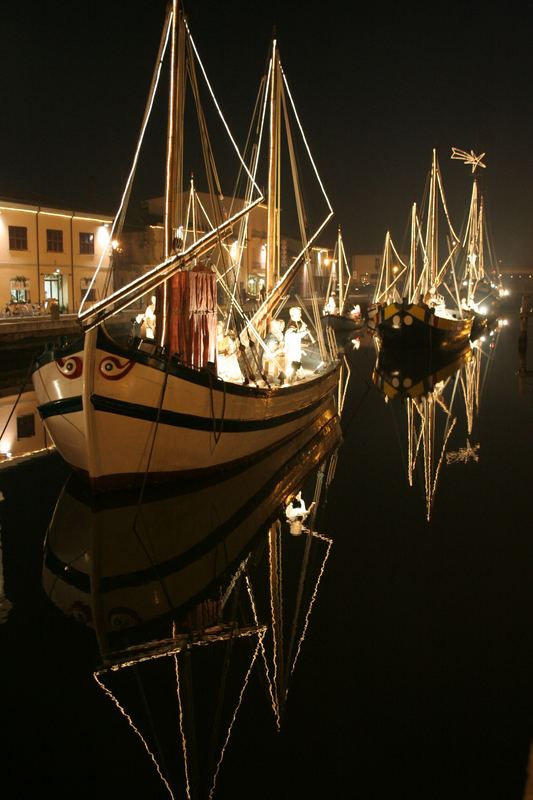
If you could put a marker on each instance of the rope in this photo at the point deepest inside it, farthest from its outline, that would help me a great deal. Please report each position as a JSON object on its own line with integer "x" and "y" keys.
{"x": 216, "y": 434}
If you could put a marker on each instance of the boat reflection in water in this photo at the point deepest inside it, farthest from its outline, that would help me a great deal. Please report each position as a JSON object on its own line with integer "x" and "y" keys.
{"x": 169, "y": 586}
{"x": 440, "y": 395}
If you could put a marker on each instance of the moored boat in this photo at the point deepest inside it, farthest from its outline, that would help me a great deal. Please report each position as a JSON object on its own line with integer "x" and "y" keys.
{"x": 478, "y": 270}
{"x": 174, "y": 405}
{"x": 340, "y": 318}
{"x": 416, "y": 305}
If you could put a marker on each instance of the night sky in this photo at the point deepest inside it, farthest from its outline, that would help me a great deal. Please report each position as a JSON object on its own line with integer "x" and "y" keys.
{"x": 376, "y": 90}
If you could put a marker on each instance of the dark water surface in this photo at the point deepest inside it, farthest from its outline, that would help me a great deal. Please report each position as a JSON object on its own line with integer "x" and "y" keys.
{"x": 415, "y": 676}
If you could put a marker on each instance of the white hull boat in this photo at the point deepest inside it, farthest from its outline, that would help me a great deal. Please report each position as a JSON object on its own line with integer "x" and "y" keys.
{"x": 122, "y": 413}
{"x": 182, "y": 423}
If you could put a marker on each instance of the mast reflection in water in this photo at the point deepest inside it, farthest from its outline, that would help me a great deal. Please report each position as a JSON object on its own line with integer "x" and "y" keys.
{"x": 414, "y": 676}
{"x": 188, "y": 594}
{"x": 440, "y": 396}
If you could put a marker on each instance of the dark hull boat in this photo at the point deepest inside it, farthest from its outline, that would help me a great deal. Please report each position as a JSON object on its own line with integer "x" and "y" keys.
{"x": 414, "y": 326}
{"x": 416, "y": 305}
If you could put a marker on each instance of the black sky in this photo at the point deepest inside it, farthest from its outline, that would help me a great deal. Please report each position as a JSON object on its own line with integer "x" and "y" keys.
{"x": 376, "y": 89}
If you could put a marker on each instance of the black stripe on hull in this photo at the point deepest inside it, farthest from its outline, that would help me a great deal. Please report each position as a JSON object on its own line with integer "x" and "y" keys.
{"x": 193, "y": 422}
{"x": 60, "y": 408}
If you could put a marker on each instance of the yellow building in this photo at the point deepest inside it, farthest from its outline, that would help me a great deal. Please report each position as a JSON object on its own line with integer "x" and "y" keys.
{"x": 50, "y": 253}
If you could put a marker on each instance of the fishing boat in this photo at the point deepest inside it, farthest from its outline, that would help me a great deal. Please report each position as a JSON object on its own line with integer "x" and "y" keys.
{"x": 480, "y": 283}
{"x": 416, "y": 304}
{"x": 172, "y": 406}
{"x": 175, "y": 594}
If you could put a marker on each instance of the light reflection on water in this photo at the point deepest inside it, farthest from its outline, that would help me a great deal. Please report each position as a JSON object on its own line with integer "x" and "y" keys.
{"x": 415, "y": 675}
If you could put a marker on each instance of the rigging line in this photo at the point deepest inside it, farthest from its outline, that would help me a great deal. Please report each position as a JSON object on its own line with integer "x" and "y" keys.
{"x": 269, "y": 679}
{"x": 119, "y": 217}
{"x": 273, "y": 563}
{"x": 305, "y": 567}
{"x": 209, "y": 159}
{"x": 149, "y": 718}
{"x": 228, "y": 649}
{"x": 140, "y": 499}
{"x": 261, "y": 635}
{"x": 218, "y": 108}
{"x": 123, "y": 711}
{"x": 181, "y": 721}
{"x": 257, "y": 120}
{"x": 216, "y": 434}
{"x": 369, "y": 386}
{"x": 400, "y": 438}
{"x": 298, "y": 193}
{"x": 305, "y": 142}
{"x": 313, "y": 598}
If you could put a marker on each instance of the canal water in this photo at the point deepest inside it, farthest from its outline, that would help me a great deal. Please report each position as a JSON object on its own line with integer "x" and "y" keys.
{"x": 402, "y": 666}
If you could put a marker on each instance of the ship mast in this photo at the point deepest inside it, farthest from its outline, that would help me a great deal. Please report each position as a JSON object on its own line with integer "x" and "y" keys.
{"x": 272, "y": 254}
{"x": 431, "y": 231}
{"x": 174, "y": 158}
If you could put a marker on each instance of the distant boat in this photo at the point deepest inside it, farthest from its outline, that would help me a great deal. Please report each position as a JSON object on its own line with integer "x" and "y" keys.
{"x": 180, "y": 593}
{"x": 338, "y": 316}
{"x": 477, "y": 267}
{"x": 164, "y": 408}
{"x": 416, "y": 305}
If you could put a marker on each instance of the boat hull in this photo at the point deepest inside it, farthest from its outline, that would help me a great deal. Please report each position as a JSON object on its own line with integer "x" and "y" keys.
{"x": 411, "y": 326}
{"x": 132, "y": 416}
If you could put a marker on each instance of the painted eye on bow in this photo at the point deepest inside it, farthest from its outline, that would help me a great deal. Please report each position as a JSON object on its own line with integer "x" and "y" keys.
{"x": 70, "y": 367}
{"x": 113, "y": 368}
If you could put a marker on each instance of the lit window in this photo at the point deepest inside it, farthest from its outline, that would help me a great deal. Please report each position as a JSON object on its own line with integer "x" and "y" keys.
{"x": 19, "y": 289}
{"x": 54, "y": 241}
{"x": 18, "y": 237}
{"x": 87, "y": 244}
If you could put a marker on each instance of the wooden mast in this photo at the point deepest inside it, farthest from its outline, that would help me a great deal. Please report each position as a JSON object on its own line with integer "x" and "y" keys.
{"x": 272, "y": 254}
{"x": 431, "y": 239}
{"x": 412, "y": 283}
{"x": 174, "y": 157}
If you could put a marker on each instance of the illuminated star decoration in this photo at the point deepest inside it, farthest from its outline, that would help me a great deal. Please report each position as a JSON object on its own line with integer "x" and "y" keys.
{"x": 469, "y": 158}
{"x": 464, "y": 454}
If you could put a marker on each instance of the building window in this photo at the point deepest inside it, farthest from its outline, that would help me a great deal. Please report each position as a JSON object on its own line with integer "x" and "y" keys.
{"x": 25, "y": 426}
{"x": 18, "y": 237}
{"x": 87, "y": 244}
{"x": 19, "y": 289}
{"x": 54, "y": 241}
